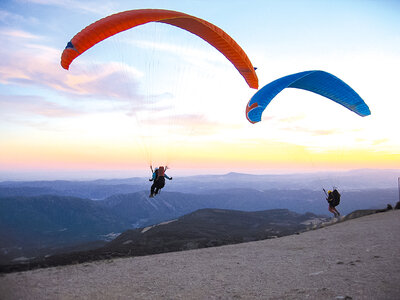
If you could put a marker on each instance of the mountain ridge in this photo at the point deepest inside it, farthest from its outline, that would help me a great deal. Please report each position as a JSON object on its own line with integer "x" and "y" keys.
{"x": 56, "y": 222}
{"x": 200, "y": 229}
{"x": 100, "y": 189}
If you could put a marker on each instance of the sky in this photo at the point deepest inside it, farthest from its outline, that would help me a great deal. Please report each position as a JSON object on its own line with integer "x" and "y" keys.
{"x": 159, "y": 95}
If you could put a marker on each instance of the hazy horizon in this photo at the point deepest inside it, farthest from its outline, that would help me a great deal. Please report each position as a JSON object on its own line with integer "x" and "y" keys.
{"x": 87, "y": 175}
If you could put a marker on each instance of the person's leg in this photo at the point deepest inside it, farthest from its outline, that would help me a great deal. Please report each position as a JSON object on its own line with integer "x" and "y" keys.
{"x": 153, "y": 186}
{"x": 336, "y": 211}
{"x": 332, "y": 210}
{"x": 159, "y": 184}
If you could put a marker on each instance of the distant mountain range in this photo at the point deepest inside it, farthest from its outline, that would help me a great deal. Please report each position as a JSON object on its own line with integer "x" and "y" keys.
{"x": 202, "y": 228}
{"x": 49, "y": 217}
{"x": 37, "y": 225}
{"x": 95, "y": 190}
{"x": 31, "y": 224}
{"x": 102, "y": 188}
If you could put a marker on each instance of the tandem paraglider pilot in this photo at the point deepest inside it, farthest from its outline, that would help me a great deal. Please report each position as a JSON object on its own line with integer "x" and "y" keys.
{"x": 158, "y": 179}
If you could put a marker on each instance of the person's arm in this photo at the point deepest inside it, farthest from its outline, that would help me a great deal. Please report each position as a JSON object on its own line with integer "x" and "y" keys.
{"x": 166, "y": 176}
{"x": 152, "y": 173}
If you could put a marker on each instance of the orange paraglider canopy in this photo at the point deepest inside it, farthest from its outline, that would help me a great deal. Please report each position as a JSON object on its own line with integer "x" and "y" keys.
{"x": 116, "y": 23}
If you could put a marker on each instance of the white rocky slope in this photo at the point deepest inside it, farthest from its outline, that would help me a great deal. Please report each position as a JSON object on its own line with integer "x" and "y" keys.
{"x": 356, "y": 259}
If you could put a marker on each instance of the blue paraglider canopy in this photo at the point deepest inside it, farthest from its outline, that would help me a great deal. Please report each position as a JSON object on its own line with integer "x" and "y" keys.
{"x": 319, "y": 82}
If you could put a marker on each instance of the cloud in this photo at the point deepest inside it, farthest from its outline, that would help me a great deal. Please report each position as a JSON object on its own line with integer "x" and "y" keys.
{"x": 187, "y": 53}
{"x": 33, "y": 64}
{"x": 96, "y": 7}
{"x": 28, "y": 63}
{"x": 151, "y": 104}
{"x": 17, "y": 33}
{"x": 198, "y": 55}
{"x": 282, "y": 124}
{"x": 314, "y": 132}
{"x": 380, "y": 141}
{"x": 17, "y": 105}
{"x": 292, "y": 119}
{"x": 187, "y": 124}
{"x": 105, "y": 80}
{"x": 11, "y": 18}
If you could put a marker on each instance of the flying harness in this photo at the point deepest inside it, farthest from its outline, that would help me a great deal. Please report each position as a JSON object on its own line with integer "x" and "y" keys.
{"x": 334, "y": 198}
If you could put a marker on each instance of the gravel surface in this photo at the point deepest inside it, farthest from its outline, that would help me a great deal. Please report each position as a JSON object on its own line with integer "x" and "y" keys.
{"x": 356, "y": 259}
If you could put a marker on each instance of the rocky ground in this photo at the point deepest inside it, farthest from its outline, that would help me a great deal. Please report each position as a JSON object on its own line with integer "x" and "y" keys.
{"x": 356, "y": 259}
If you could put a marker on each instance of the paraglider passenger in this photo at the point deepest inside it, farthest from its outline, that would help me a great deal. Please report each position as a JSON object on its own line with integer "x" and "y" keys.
{"x": 153, "y": 178}
{"x": 333, "y": 201}
{"x": 158, "y": 179}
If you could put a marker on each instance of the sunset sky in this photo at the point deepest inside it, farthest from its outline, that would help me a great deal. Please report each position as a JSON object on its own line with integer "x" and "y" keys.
{"x": 158, "y": 94}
